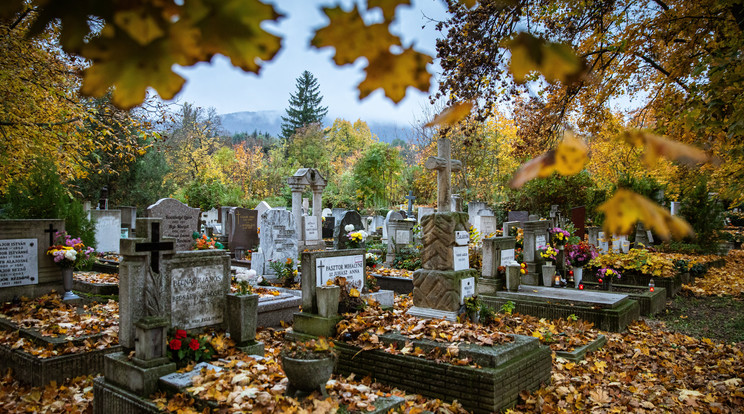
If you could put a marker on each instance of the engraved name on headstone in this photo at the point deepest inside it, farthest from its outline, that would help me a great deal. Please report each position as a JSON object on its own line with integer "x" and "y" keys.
{"x": 18, "y": 262}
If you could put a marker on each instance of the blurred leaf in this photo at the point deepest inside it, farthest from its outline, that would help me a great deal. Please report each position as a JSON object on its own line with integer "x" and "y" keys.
{"x": 555, "y": 61}
{"x": 568, "y": 158}
{"x": 394, "y": 73}
{"x": 625, "y": 208}
{"x": 656, "y": 146}
{"x": 351, "y": 38}
{"x": 451, "y": 115}
{"x": 387, "y": 6}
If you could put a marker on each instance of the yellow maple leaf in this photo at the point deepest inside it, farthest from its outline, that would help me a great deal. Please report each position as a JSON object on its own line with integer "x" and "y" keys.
{"x": 555, "y": 61}
{"x": 394, "y": 73}
{"x": 451, "y": 115}
{"x": 625, "y": 208}
{"x": 387, "y": 6}
{"x": 140, "y": 24}
{"x": 655, "y": 146}
{"x": 354, "y": 293}
{"x": 351, "y": 38}
{"x": 568, "y": 158}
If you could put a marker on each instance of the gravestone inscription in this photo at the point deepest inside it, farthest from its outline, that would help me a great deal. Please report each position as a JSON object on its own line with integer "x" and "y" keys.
{"x": 178, "y": 221}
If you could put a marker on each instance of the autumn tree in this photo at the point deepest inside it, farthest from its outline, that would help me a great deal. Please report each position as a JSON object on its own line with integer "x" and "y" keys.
{"x": 376, "y": 176}
{"x": 304, "y": 105}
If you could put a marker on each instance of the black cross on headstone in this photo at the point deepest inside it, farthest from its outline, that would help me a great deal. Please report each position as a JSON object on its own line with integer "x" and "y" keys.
{"x": 51, "y": 230}
{"x": 154, "y": 247}
{"x": 320, "y": 266}
{"x": 410, "y": 197}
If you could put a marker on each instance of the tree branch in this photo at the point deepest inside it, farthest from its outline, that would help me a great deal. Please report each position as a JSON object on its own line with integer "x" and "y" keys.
{"x": 662, "y": 70}
{"x": 40, "y": 124}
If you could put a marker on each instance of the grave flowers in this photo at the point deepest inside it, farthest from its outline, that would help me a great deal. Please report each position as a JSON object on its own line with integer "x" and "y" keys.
{"x": 606, "y": 275}
{"x": 244, "y": 288}
{"x": 285, "y": 271}
{"x": 69, "y": 253}
{"x": 184, "y": 348}
{"x": 202, "y": 242}
{"x": 558, "y": 236}
{"x": 579, "y": 255}
{"x": 308, "y": 365}
{"x": 356, "y": 238}
{"x": 548, "y": 270}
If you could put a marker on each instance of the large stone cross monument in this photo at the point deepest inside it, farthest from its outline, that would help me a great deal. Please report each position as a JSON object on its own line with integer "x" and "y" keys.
{"x": 446, "y": 279}
{"x": 444, "y": 167}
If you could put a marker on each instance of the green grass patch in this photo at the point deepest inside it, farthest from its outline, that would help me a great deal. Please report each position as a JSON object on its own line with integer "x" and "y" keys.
{"x": 713, "y": 317}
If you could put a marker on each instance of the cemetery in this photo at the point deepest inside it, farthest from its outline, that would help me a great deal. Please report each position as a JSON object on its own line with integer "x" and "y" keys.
{"x": 561, "y": 230}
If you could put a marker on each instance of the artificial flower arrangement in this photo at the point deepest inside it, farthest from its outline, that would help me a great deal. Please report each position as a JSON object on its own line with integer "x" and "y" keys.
{"x": 185, "y": 347}
{"x": 523, "y": 268}
{"x": 548, "y": 253}
{"x": 202, "y": 242}
{"x": 244, "y": 288}
{"x": 70, "y": 252}
{"x": 356, "y": 238}
{"x": 371, "y": 259}
{"x": 518, "y": 233}
{"x": 285, "y": 271}
{"x": 580, "y": 254}
{"x": 558, "y": 236}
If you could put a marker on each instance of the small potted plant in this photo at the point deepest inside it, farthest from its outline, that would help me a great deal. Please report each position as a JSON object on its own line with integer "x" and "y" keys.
{"x": 69, "y": 253}
{"x": 285, "y": 271}
{"x": 308, "y": 365}
{"x": 473, "y": 307}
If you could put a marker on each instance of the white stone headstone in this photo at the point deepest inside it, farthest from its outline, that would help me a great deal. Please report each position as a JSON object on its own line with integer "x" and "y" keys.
{"x": 462, "y": 259}
{"x": 278, "y": 237}
{"x": 507, "y": 257}
{"x": 108, "y": 229}
{"x": 402, "y": 237}
{"x": 467, "y": 289}
{"x": 462, "y": 238}
{"x": 19, "y": 263}
{"x": 261, "y": 208}
{"x": 312, "y": 230}
{"x": 541, "y": 241}
{"x": 351, "y": 267}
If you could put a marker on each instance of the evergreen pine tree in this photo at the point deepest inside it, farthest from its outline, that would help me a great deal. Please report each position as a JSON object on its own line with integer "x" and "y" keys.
{"x": 304, "y": 105}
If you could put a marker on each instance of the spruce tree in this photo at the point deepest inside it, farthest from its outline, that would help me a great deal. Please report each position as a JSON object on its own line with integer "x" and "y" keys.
{"x": 304, "y": 105}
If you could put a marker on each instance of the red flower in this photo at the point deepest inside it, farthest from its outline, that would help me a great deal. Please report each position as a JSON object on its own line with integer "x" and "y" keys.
{"x": 194, "y": 344}
{"x": 174, "y": 344}
{"x": 180, "y": 334}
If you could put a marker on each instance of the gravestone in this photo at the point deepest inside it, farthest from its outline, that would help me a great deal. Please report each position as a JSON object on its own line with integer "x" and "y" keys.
{"x": 260, "y": 209}
{"x": 535, "y": 236}
{"x": 243, "y": 234}
{"x": 108, "y": 229}
{"x": 603, "y": 244}
{"x": 438, "y": 285}
{"x": 674, "y": 207}
{"x": 410, "y": 197}
{"x": 456, "y": 203}
{"x": 489, "y": 225}
{"x": 25, "y": 268}
{"x": 401, "y": 235}
{"x": 508, "y": 225}
{"x": 278, "y": 239}
{"x": 190, "y": 286}
{"x": 128, "y": 217}
{"x": 578, "y": 218}
{"x": 391, "y": 215}
{"x": 497, "y": 251}
{"x": 424, "y": 211}
{"x": 592, "y": 235}
{"x": 519, "y": 215}
{"x": 377, "y": 225}
{"x": 311, "y": 229}
{"x": 179, "y": 221}
{"x": 474, "y": 208}
{"x": 329, "y": 225}
{"x": 340, "y": 239}
{"x": 224, "y": 213}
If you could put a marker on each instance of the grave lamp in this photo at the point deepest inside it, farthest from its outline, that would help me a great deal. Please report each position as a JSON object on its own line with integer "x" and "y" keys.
{"x": 557, "y": 280}
{"x": 571, "y": 277}
{"x": 581, "y": 286}
{"x": 651, "y": 285}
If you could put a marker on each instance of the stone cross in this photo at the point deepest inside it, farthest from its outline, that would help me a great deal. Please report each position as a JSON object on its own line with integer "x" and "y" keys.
{"x": 410, "y": 197}
{"x": 154, "y": 247}
{"x": 51, "y": 230}
{"x": 444, "y": 166}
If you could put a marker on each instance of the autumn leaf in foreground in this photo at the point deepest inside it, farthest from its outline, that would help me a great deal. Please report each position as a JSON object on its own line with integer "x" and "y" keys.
{"x": 568, "y": 158}
{"x": 395, "y": 73}
{"x": 656, "y": 146}
{"x": 555, "y": 61}
{"x": 625, "y": 208}
{"x": 451, "y": 115}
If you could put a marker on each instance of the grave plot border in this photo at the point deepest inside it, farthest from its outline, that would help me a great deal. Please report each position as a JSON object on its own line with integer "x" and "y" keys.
{"x": 608, "y": 319}
{"x": 673, "y": 284}
{"x": 507, "y": 369}
{"x": 95, "y": 289}
{"x": 38, "y": 372}
{"x": 399, "y": 285}
{"x": 110, "y": 399}
{"x": 273, "y": 310}
{"x": 651, "y": 302}
{"x": 580, "y": 353}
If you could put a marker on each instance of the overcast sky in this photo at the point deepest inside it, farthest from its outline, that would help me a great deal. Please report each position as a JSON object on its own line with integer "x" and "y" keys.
{"x": 228, "y": 89}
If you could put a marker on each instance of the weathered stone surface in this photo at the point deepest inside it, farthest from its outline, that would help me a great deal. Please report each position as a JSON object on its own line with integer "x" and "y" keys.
{"x": 108, "y": 229}
{"x": 278, "y": 237}
{"x": 438, "y": 289}
{"x": 242, "y": 316}
{"x": 439, "y": 238}
{"x": 178, "y": 220}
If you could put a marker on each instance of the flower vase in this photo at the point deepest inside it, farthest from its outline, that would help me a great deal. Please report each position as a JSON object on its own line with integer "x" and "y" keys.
{"x": 242, "y": 311}
{"x": 67, "y": 283}
{"x": 548, "y": 273}
{"x": 328, "y": 298}
{"x": 578, "y": 275}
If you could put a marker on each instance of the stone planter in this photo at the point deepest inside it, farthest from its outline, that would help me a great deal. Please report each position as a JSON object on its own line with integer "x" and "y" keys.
{"x": 242, "y": 311}
{"x": 512, "y": 278}
{"x": 327, "y": 297}
{"x": 67, "y": 283}
{"x": 578, "y": 275}
{"x": 548, "y": 273}
{"x": 307, "y": 375}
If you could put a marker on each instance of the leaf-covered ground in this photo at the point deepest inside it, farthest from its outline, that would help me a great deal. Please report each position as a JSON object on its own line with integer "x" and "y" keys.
{"x": 97, "y": 278}
{"x": 386, "y": 271}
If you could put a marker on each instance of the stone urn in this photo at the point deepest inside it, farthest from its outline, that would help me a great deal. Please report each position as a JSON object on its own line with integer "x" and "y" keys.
{"x": 242, "y": 311}
{"x": 548, "y": 274}
{"x": 308, "y": 375}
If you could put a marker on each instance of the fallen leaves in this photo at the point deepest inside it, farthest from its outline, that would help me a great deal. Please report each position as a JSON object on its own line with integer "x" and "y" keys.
{"x": 385, "y": 271}
{"x": 719, "y": 281}
{"x": 72, "y": 396}
{"x": 97, "y": 278}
